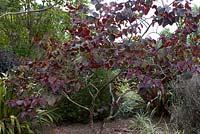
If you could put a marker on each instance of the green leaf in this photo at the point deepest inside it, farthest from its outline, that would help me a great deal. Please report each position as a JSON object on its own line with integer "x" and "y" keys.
{"x": 2, "y": 127}
{"x": 112, "y": 37}
{"x": 18, "y": 125}
{"x": 12, "y": 120}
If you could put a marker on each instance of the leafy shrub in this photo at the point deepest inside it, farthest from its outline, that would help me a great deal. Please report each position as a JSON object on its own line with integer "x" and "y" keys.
{"x": 72, "y": 112}
{"x": 131, "y": 105}
{"x": 9, "y": 123}
{"x": 153, "y": 64}
{"x": 13, "y": 115}
{"x": 131, "y": 101}
{"x": 8, "y": 116}
{"x": 99, "y": 40}
{"x": 7, "y": 60}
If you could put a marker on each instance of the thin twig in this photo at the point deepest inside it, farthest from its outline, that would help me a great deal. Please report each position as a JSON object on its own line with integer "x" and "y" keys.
{"x": 153, "y": 33}
{"x": 113, "y": 99}
{"x": 28, "y": 11}
{"x": 117, "y": 102}
{"x": 79, "y": 105}
{"x": 94, "y": 88}
{"x": 107, "y": 83}
{"x": 163, "y": 3}
{"x": 145, "y": 20}
{"x": 147, "y": 30}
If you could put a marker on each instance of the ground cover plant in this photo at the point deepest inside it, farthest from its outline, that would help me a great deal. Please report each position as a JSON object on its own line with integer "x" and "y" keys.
{"x": 111, "y": 39}
{"x": 11, "y": 118}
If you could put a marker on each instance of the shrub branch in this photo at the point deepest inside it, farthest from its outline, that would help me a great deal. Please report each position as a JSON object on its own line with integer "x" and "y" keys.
{"x": 28, "y": 11}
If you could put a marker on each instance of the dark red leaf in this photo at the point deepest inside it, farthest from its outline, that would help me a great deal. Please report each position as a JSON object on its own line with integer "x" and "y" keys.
{"x": 187, "y": 6}
{"x": 70, "y": 6}
{"x": 146, "y": 10}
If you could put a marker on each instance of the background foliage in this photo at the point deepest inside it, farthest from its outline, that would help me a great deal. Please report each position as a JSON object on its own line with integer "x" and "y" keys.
{"x": 82, "y": 54}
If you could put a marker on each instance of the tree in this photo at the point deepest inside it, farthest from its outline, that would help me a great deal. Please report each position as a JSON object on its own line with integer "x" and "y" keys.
{"x": 23, "y": 23}
{"x": 111, "y": 38}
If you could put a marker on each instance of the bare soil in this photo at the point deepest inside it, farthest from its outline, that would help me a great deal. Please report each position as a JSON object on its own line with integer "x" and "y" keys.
{"x": 118, "y": 126}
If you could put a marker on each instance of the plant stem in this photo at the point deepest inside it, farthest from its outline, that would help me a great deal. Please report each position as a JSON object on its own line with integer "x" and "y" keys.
{"x": 79, "y": 105}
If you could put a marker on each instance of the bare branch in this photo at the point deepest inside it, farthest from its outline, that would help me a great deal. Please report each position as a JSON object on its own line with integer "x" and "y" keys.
{"x": 29, "y": 11}
{"x": 94, "y": 87}
{"x": 108, "y": 82}
{"x": 147, "y": 29}
{"x": 79, "y": 105}
{"x": 117, "y": 102}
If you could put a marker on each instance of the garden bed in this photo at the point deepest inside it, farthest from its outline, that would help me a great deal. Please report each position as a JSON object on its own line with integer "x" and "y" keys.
{"x": 118, "y": 126}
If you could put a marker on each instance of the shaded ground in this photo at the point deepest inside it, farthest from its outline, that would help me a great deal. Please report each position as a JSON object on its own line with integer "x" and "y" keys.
{"x": 118, "y": 126}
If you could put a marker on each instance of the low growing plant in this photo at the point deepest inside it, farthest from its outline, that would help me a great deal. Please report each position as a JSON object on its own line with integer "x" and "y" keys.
{"x": 13, "y": 116}
{"x": 9, "y": 122}
{"x": 132, "y": 103}
{"x": 143, "y": 124}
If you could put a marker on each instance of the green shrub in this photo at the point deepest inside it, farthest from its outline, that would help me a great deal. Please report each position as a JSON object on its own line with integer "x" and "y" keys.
{"x": 7, "y": 60}
{"x": 72, "y": 112}
{"x": 132, "y": 103}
